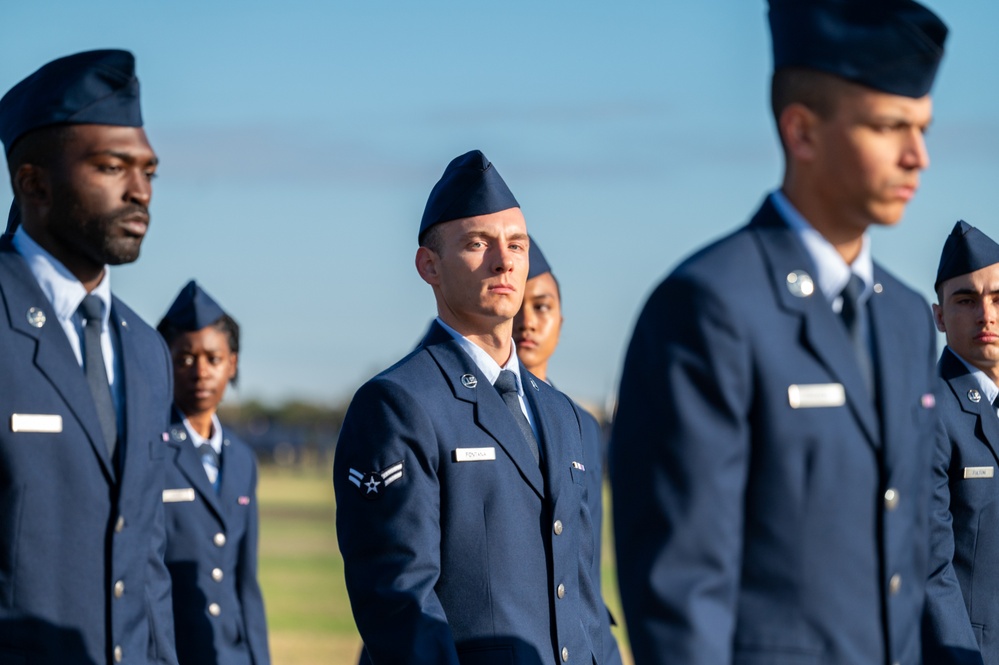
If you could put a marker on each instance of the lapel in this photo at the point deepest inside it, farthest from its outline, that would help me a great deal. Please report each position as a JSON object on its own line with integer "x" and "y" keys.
{"x": 822, "y": 333}
{"x": 962, "y": 383}
{"x": 186, "y": 459}
{"x": 541, "y": 398}
{"x": 54, "y": 357}
{"x": 490, "y": 412}
{"x": 234, "y": 468}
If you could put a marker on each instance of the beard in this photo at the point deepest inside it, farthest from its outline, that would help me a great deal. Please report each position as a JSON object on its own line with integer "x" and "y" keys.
{"x": 99, "y": 236}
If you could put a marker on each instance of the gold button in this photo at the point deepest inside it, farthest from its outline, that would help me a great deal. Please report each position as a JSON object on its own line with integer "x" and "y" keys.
{"x": 891, "y": 498}
{"x": 214, "y": 609}
{"x": 565, "y": 655}
{"x": 119, "y": 525}
{"x": 558, "y": 527}
{"x": 119, "y": 589}
{"x": 560, "y": 591}
{"x": 894, "y": 584}
{"x": 117, "y": 654}
{"x": 219, "y": 539}
{"x": 217, "y": 574}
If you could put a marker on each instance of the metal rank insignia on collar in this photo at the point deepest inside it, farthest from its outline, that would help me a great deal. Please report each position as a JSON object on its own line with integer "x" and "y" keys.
{"x": 372, "y": 484}
{"x": 974, "y": 396}
{"x": 469, "y": 380}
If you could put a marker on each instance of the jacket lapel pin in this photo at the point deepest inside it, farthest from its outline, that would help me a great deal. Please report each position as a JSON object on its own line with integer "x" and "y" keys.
{"x": 800, "y": 284}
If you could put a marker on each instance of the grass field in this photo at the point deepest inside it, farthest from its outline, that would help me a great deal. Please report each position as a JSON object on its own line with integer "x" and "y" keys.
{"x": 302, "y": 575}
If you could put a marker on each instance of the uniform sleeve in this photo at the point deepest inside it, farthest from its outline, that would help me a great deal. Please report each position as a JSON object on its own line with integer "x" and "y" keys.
{"x": 250, "y": 598}
{"x": 948, "y": 638}
{"x": 388, "y": 527}
{"x": 679, "y": 459}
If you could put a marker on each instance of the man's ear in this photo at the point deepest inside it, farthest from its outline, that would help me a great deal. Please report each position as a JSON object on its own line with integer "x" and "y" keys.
{"x": 31, "y": 184}
{"x": 427, "y": 264}
{"x": 797, "y": 126}
{"x": 938, "y": 317}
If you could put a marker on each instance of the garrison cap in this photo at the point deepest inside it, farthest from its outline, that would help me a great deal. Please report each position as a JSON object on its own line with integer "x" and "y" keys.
{"x": 893, "y": 46}
{"x": 539, "y": 265}
{"x": 93, "y": 87}
{"x": 193, "y": 309}
{"x": 966, "y": 250}
{"x": 470, "y": 186}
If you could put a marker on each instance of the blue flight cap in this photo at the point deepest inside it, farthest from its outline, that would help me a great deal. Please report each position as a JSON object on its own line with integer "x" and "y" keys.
{"x": 539, "y": 265}
{"x": 967, "y": 249}
{"x": 893, "y": 46}
{"x": 193, "y": 309}
{"x": 470, "y": 186}
{"x": 13, "y": 218}
{"x": 93, "y": 87}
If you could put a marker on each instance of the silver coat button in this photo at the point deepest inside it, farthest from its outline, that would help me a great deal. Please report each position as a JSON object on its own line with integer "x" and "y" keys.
{"x": 891, "y": 498}
{"x": 119, "y": 589}
{"x": 214, "y": 609}
{"x": 219, "y": 539}
{"x": 119, "y": 525}
{"x": 217, "y": 574}
{"x": 894, "y": 584}
{"x": 560, "y": 591}
{"x": 557, "y": 527}
{"x": 565, "y": 654}
{"x": 118, "y": 654}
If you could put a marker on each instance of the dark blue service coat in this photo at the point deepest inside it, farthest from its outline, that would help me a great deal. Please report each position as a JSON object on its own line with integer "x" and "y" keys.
{"x": 212, "y": 555}
{"x": 82, "y": 578}
{"x": 963, "y": 596}
{"x": 767, "y": 509}
{"x": 473, "y": 554}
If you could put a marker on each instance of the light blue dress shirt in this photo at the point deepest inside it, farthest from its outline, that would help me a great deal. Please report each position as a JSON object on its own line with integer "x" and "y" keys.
{"x": 491, "y": 369}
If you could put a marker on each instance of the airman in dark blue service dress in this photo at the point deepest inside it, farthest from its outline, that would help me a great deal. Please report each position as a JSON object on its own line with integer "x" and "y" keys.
{"x": 461, "y": 513}
{"x": 770, "y": 458}
{"x": 85, "y": 382}
{"x": 962, "y": 604}
{"x": 210, "y": 497}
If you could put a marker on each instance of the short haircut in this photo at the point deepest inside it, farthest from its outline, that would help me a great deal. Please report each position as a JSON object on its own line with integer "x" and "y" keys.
{"x": 432, "y": 240}
{"x": 225, "y": 324}
{"x": 41, "y": 146}
{"x": 815, "y": 90}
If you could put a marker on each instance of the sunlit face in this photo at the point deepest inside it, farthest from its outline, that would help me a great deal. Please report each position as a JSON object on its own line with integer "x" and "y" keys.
{"x": 203, "y": 365}
{"x": 868, "y": 156}
{"x": 101, "y": 188}
{"x": 968, "y": 313}
{"x": 537, "y": 326}
{"x": 479, "y": 275}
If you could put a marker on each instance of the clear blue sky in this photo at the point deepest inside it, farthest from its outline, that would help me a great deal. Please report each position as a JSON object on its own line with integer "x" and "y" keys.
{"x": 299, "y": 141}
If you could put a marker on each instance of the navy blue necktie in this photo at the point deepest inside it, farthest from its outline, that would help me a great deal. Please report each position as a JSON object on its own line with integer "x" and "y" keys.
{"x": 506, "y": 384}
{"x": 853, "y": 316}
{"x": 97, "y": 376}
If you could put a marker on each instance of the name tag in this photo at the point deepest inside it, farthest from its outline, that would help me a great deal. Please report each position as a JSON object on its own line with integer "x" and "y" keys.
{"x": 815, "y": 395}
{"x": 35, "y": 422}
{"x": 474, "y": 454}
{"x": 979, "y": 471}
{"x": 178, "y": 495}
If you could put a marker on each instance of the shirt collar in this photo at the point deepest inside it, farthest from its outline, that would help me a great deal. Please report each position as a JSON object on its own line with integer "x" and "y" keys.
{"x": 64, "y": 291}
{"x": 215, "y": 440}
{"x": 489, "y": 367}
{"x": 987, "y": 385}
{"x": 833, "y": 272}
